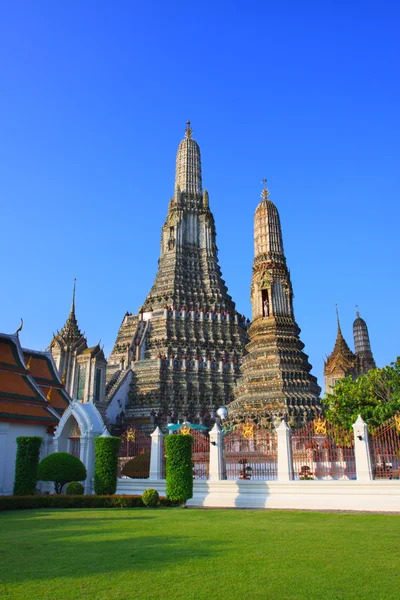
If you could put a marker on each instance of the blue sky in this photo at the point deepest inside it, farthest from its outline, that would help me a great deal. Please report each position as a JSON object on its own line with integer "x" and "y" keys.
{"x": 94, "y": 97}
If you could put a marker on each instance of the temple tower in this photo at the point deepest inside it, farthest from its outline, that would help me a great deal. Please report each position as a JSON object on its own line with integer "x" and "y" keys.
{"x": 362, "y": 345}
{"x": 83, "y": 369}
{"x": 342, "y": 362}
{"x": 276, "y": 381}
{"x": 181, "y": 353}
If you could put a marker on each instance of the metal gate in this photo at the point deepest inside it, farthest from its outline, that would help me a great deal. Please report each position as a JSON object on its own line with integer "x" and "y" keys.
{"x": 385, "y": 449}
{"x": 134, "y": 454}
{"x": 200, "y": 454}
{"x": 251, "y": 453}
{"x": 323, "y": 451}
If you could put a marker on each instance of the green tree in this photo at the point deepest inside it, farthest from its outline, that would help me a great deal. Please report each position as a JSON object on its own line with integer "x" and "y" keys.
{"x": 106, "y": 468}
{"x": 375, "y": 396}
{"x": 179, "y": 467}
{"x": 61, "y": 468}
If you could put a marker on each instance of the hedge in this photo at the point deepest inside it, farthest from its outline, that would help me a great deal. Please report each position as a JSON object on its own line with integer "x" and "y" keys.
{"x": 179, "y": 467}
{"x": 61, "y": 501}
{"x": 26, "y": 465}
{"x": 61, "y": 468}
{"x": 74, "y": 488}
{"x": 106, "y": 467}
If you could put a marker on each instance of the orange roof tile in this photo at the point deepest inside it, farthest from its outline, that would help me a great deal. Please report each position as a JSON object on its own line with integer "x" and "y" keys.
{"x": 18, "y": 386}
{"x": 25, "y": 411}
{"x": 9, "y": 356}
{"x": 41, "y": 366}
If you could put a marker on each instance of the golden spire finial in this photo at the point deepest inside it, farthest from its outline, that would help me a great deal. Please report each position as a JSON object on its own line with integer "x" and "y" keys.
{"x": 337, "y": 318}
{"x": 265, "y": 193}
{"x": 188, "y": 132}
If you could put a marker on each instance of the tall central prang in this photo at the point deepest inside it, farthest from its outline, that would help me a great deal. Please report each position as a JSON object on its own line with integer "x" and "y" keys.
{"x": 277, "y": 382}
{"x": 179, "y": 357}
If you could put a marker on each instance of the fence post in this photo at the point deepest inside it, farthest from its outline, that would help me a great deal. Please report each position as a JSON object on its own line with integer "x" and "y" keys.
{"x": 156, "y": 454}
{"x": 285, "y": 465}
{"x": 217, "y": 466}
{"x": 361, "y": 450}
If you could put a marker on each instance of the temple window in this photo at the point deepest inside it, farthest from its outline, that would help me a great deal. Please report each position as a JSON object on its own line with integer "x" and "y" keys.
{"x": 81, "y": 382}
{"x": 265, "y": 303}
{"x": 97, "y": 385}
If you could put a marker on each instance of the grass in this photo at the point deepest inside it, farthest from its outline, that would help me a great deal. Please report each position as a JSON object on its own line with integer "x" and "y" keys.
{"x": 198, "y": 554}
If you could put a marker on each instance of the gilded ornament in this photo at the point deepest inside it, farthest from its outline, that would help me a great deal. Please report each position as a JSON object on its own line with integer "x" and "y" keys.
{"x": 131, "y": 435}
{"x": 48, "y": 396}
{"x": 397, "y": 422}
{"x": 319, "y": 426}
{"x": 28, "y": 364}
{"x": 185, "y": 430}
{"x": 248, "y": 431}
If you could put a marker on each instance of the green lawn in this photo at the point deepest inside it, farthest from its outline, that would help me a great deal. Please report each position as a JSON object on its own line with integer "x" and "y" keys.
{"x": 195, "y": 554}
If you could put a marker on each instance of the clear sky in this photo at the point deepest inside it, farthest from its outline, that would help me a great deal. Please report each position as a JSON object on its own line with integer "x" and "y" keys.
{"x": 94, "y": 97}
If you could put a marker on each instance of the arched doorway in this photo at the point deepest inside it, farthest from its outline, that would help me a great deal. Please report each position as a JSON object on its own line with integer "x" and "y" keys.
{"x": 74, "y": 440}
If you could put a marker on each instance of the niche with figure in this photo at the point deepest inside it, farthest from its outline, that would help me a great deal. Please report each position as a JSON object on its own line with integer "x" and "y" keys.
{"x": 265, "y": 303}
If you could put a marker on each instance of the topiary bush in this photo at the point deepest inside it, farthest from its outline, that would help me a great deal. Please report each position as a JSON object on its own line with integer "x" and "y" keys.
{"x": 150, "y": 497}
{"x": 75, "y": 489}
{"x": 179, "y": 467}
{"x": 26, "y": 465}
{"x": 106, "y": 468}
{"x": 61, "y": 468}
{"x": 138, "y": 467}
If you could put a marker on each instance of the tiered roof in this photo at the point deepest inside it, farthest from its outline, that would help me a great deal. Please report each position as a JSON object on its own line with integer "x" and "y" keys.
{"x": 21, "y": 397}
{"x": 43, "y": 370}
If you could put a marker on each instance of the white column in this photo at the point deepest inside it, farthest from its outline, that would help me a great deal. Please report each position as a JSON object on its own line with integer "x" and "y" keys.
{"x": 217, "y": 466}
{"x": 285, "y": 465}
{"x": 361, "y": 450}
{"x": 87, "y": 457}
{"x": 3, "y": 454}
{"x": 156, "y": 456}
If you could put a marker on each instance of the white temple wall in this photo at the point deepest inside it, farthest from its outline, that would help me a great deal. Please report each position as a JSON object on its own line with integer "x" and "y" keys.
{"x": 8, "y": 450}
{"x": 381, "y": 496}
{"x": 120, "y": 399}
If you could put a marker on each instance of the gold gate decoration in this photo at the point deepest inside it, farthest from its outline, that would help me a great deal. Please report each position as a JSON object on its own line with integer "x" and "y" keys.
{"x": 321, "y": 450}
{"x": 251, "y": 452}
{"x": 385, "y": 449}
{"x": 134, "y": 454}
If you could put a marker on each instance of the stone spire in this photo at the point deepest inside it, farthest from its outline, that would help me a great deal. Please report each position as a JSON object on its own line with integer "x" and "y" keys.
{"x": 276, "y": 381}
{"x": 71, "y": 332}
{"x": 185, "y": 346}
{"x": 188, "y": 167}
{"x": 342, "y": 362}
{"x": 66, "y": 345}
{"x": 362, "y": 344}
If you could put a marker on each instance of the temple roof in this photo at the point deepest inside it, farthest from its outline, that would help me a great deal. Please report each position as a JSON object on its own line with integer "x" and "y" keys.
{"x": 43, "y": 370}
{"x": 70, "y": 334}
{"x": 341, "y": 358}
{"x": 21, "y": 398}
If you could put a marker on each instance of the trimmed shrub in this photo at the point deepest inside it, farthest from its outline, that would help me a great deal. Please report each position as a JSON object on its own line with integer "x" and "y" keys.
{"x": 106, "y": 468}
{"x": 138, "y": 467}
{"x": 26, "y": 465}
{"x": 61, "y": 468}
{"x": 61, "y": 501}
{"x": 150, "y": 497}
{"x": 179, "y": 467}
{"x": 74, "y": 489}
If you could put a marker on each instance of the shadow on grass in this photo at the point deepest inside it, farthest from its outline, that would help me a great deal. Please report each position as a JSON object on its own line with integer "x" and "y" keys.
{"x": 50, "y": 552}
